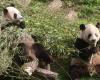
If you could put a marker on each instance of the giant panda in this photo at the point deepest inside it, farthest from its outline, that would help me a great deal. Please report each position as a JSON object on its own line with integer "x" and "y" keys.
{"x": 30, "y": 53}
{"x": 87, "y": 61}
{"x": 12, "y": 16}
{"x": 33, "y": 50}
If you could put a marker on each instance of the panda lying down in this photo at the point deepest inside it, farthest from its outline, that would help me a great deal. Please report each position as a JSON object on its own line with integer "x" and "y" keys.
{"x": 88, "y": 60}
{"x": 33, "y": 55}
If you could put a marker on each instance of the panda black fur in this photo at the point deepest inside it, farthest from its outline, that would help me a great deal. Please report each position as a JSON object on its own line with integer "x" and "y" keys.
{"x": 12, "y": 16}
{"x": 88, "y": 46}
{"x": 34, "y": 50}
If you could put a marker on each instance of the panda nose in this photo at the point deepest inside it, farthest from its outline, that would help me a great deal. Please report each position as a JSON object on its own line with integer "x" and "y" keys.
{"x": 93, "y": 40}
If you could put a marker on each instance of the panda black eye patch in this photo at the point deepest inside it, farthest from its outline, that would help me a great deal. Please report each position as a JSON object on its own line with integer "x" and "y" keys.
{"x": 15, "y": 16}
{"x": 89, "y": 35}
{"x": 96, "y": 35}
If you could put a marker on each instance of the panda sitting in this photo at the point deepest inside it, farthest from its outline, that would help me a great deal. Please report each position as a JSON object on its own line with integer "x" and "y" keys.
{"x": 12, "y": 16}
{"x": 89, "y": 52}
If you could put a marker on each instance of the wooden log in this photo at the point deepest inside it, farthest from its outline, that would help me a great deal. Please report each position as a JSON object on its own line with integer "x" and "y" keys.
{"x": 30, "y": 67}
{"x": 47, "y": 72}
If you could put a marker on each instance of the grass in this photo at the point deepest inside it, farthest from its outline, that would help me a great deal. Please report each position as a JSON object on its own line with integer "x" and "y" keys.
{"x": 51, "y": 29}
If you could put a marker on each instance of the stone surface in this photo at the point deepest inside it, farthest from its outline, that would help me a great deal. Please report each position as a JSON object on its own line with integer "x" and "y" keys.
{"x": 55, "y": 5}
{"x": 71, "y": 15}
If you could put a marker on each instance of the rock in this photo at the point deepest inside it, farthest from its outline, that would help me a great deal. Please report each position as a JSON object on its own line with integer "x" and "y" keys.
{"x": 72, "y": 15}
{"x": 55, "y": 5}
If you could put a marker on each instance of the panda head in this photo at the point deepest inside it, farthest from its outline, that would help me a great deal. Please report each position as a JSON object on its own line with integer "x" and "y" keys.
{"x": 13, "y": 16}
{"x": 90, "y": 33}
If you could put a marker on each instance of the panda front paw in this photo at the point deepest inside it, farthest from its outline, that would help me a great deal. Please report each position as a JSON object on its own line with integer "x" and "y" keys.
{"x": 93, "y": 50}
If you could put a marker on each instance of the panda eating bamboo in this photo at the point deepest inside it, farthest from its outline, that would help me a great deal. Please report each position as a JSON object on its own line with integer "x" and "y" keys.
{"x": 88, "y": 60}
{"x": 12, "y": 16}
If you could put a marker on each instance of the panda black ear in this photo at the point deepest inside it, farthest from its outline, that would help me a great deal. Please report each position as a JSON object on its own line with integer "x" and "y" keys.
{"x": 98, "y": 25}
{"x": 82, "y": 27}
{"x": 5, "y": 11}
{"x": 34, "y": 37}
{"x": 12, "y": 5}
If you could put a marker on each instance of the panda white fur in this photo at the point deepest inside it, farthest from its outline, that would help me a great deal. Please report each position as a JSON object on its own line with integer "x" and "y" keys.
{"x": 12, "y": 16}
{"x": 88, "y": 46}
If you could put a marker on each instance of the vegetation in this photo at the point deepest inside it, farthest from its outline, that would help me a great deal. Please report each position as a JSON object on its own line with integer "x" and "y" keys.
{"x": 52, "y": 30}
